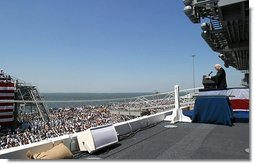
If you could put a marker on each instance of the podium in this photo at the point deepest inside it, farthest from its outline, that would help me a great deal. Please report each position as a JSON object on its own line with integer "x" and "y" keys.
{"x": 213, "y": 109}
{"x": 208, "y": 83}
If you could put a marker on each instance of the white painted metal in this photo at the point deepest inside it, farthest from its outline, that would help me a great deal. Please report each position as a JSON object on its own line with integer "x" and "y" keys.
{"x": 177, "y": 115}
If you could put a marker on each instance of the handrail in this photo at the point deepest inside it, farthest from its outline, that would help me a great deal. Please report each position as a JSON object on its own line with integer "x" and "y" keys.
{"x": 99, "y": 100}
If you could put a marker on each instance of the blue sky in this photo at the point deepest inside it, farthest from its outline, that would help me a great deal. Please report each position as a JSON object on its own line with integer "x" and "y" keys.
{"x": 104, "y": 45}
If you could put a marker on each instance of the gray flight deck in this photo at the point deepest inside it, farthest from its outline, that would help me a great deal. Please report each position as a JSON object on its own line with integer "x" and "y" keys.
{"x": 181, "y": 141}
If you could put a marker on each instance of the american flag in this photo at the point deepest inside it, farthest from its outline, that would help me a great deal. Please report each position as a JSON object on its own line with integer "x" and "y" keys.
{"x": 240, "y": 104}
{"x": 7, "y": 90}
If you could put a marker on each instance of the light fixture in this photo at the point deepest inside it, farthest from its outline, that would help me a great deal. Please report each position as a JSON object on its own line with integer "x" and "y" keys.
{"x": 96, "y": 138}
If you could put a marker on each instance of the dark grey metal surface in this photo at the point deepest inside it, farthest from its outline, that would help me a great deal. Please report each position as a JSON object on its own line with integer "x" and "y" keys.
{"x": 187, "y": 141}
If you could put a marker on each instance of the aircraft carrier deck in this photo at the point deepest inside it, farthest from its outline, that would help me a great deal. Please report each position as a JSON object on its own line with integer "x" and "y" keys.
{"x": 181, "y": 141}
{"x": 227, "y": 33}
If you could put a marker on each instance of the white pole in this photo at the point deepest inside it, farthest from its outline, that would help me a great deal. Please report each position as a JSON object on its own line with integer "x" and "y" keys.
{"x": 177, "y": 114}
{"x": 193, "y": 56}
{"x": 177, "y": 97}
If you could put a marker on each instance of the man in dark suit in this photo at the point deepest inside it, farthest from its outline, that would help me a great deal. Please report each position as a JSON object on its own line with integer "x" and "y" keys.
{"x": 220, "y": 77}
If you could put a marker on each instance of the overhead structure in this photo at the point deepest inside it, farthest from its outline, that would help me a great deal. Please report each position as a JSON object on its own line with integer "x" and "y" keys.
{"x": 225, "y": 28}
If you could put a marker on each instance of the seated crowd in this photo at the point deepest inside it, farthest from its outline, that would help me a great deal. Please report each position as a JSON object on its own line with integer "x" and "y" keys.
{"x": 62, "y": 121}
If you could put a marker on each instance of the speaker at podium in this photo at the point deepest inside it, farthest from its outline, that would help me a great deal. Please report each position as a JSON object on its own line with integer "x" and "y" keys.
{"x": 208, "y": 83}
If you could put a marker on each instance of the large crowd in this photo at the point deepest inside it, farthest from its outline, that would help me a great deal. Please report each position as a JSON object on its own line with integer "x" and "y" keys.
{"x": 143, "y": 104}
{"x": 62, "y": 121}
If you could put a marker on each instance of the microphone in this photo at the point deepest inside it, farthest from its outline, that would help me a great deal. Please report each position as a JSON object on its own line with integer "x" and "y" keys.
{"x": 210, "y": 73}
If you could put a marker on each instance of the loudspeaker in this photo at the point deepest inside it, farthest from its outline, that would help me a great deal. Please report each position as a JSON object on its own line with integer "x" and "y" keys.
{"x": 96, "y": 138}
{"x": 208, "y": 83}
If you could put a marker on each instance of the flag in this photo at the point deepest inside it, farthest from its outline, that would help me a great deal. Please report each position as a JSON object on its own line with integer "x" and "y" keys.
{"x": 240, "y": 104}
{"x": 7, "y": 92}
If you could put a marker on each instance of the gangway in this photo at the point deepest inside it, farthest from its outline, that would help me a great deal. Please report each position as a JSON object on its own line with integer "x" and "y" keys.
{"x": 30, "y": 93}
